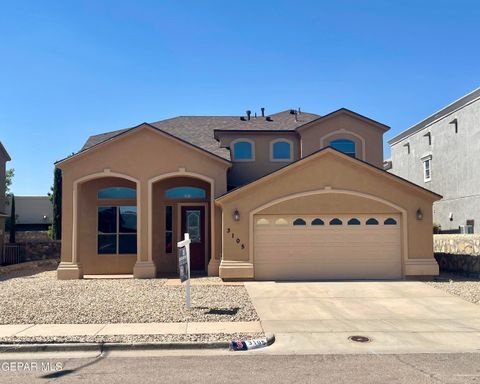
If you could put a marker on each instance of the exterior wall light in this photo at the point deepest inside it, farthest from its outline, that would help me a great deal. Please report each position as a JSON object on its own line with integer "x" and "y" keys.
{"x": 419, "y": 214}
{"x": 236, "y": 215}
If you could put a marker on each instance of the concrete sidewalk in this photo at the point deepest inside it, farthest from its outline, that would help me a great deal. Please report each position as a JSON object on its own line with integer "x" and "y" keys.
{"x": 190, "y": 328}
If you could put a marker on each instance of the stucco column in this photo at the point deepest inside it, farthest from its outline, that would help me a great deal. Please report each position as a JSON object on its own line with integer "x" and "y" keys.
{"x": 216, "y": 239}
{"x": 144, "y": 267}
{"x": 69, "y": 267}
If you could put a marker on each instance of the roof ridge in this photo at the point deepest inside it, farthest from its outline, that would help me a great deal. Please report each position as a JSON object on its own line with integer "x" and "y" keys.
{"x": 437, "y": 115}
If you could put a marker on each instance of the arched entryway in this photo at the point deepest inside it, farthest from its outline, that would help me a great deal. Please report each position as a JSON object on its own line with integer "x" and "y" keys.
{"x": 106, "y": 224}
{"x": 180, "y": 203}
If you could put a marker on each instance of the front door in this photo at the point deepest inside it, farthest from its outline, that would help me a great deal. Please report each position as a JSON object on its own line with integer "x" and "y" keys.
{"x": 193, "y": 223}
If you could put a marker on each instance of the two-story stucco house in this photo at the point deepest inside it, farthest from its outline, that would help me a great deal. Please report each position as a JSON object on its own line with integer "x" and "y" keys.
{"x": 442, "y": 153}
{"x": 291, "y": 195}
{"x": 4, "y": 157}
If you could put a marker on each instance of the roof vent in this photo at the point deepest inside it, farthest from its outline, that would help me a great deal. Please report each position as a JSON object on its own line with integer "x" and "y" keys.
{"x": 242, "y": 118}
{"x": 249, "y": 113}
{"x": 263, "y": 111}
{"x": 293, "y": 112}
{"x": 269, "y": 118}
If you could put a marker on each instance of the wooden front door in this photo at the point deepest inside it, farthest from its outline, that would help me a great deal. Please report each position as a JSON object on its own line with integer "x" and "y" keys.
{"x": 193, "y": 223}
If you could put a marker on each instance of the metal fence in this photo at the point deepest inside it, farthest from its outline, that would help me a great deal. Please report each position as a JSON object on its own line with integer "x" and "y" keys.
{"x": 12, "y": 254}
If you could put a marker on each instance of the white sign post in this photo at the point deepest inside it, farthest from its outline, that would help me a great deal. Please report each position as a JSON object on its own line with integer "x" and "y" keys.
{"x": 184, "y": 264}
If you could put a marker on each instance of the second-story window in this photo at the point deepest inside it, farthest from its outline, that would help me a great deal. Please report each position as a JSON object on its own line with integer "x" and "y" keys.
{"x": 281, "y": 150}
{"x": 345, "y": 146}
{"x": 427, "y": 168}
{"x": 243, "y": 150}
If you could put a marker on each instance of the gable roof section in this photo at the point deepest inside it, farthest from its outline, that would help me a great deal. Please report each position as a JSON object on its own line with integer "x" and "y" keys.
{"x": 199, "y": 130}
{"x": 348, "y": 112}
{"x": 124, "y": 132}
{"x": 450, "y": 108}
{"x": 319, "y": 153}
{"x": 4, "y": 152}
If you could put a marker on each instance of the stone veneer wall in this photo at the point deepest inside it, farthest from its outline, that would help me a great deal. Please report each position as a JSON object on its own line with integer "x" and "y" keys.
{"x": 458, "y": 253}
{"x": 27, "y": 236}
{"x": 37, "y": 245}
{"x": 42, "y": 250}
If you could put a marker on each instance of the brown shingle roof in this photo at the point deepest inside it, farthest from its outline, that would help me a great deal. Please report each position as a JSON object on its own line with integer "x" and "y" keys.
{"x": 199, "y": 130}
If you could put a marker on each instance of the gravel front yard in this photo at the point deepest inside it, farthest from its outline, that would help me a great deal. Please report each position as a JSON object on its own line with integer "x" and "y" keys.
{"x": 467, "y": 288}
{"x": 35, "y": 296}
{"x": 198, "y": 338}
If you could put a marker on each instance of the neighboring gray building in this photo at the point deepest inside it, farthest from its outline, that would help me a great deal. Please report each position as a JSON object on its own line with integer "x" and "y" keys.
{"x": 4, "y": 157}
{"x": 34, "y": 213}
{"x": 442, "y": 154}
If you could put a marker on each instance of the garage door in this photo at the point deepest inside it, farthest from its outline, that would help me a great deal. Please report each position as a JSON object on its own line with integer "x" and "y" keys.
{"x": 327, "y": 247}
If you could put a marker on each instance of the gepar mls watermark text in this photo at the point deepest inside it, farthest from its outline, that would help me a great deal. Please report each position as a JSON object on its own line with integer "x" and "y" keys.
{"x": 31, "y": 366}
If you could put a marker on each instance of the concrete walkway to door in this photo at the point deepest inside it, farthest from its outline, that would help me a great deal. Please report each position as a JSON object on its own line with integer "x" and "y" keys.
{"x": 398, "y": 316}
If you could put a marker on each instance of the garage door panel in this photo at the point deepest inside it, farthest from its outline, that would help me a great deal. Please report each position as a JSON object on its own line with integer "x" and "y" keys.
{"x": 326, "y": 251}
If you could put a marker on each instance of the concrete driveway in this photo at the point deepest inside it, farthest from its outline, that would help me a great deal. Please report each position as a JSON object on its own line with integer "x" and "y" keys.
{"x": 399, "y": 317}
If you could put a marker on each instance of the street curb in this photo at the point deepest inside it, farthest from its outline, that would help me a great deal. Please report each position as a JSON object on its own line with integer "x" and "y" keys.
{"x": 105, "y": 347}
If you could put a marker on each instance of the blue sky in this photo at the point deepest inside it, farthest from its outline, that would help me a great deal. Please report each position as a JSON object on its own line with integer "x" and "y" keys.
{"x": 70, "y": 69}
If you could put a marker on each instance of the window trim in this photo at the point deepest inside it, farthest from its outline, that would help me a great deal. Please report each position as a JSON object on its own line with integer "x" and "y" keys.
{"x": 232, "y": 150}
{"x": 425, "y": 160}
{"x": 281, "y": 140}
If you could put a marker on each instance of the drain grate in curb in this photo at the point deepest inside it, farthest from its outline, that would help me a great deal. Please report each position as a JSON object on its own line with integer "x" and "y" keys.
{"x": 360, "y": 339}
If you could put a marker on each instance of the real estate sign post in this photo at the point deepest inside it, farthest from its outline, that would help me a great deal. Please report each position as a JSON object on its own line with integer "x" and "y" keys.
{"x": 184, "y": 264}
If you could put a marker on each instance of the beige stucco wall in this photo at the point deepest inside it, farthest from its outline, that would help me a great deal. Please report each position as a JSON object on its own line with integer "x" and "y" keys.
{"x": 319, "y": 134}
{"x": 243, "y": 172}
{"x": 142, "y": 154}
{"x": 335, "y": 171}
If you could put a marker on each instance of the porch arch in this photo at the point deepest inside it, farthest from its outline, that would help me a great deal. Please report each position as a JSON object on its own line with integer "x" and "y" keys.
{"x": 181, "y": 173}
{"x": 94, "y": 176}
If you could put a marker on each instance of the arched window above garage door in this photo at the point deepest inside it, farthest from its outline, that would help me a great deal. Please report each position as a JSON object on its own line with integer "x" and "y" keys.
{"x": 335, "y": 221}
{"x": 262, "y": 222}
{"x": 299, "y": 222}
{"x": 281, "y": 221}
{"x": 317, "y": 221}
{"x": 372, "y": 221}
{"x": 353, "y": 221}
{"x": 390, "y": 221}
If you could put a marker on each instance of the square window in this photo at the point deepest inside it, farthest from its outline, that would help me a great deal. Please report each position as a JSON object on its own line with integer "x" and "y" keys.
{"x": 107, "y": 244}
{"x": 127, "y": 244}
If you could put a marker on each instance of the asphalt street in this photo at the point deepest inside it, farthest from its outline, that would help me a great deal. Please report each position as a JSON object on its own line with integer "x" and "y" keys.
{"x": 238, "y": 367}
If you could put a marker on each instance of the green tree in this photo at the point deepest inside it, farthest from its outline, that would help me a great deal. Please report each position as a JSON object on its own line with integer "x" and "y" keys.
{"x": 8, "y": 181}
{"x": 55, "y": 230}
{"x": 13, "y": 221}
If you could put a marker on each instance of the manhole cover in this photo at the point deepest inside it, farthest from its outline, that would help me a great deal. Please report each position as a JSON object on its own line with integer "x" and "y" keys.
{"x": 360, "y": 339}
